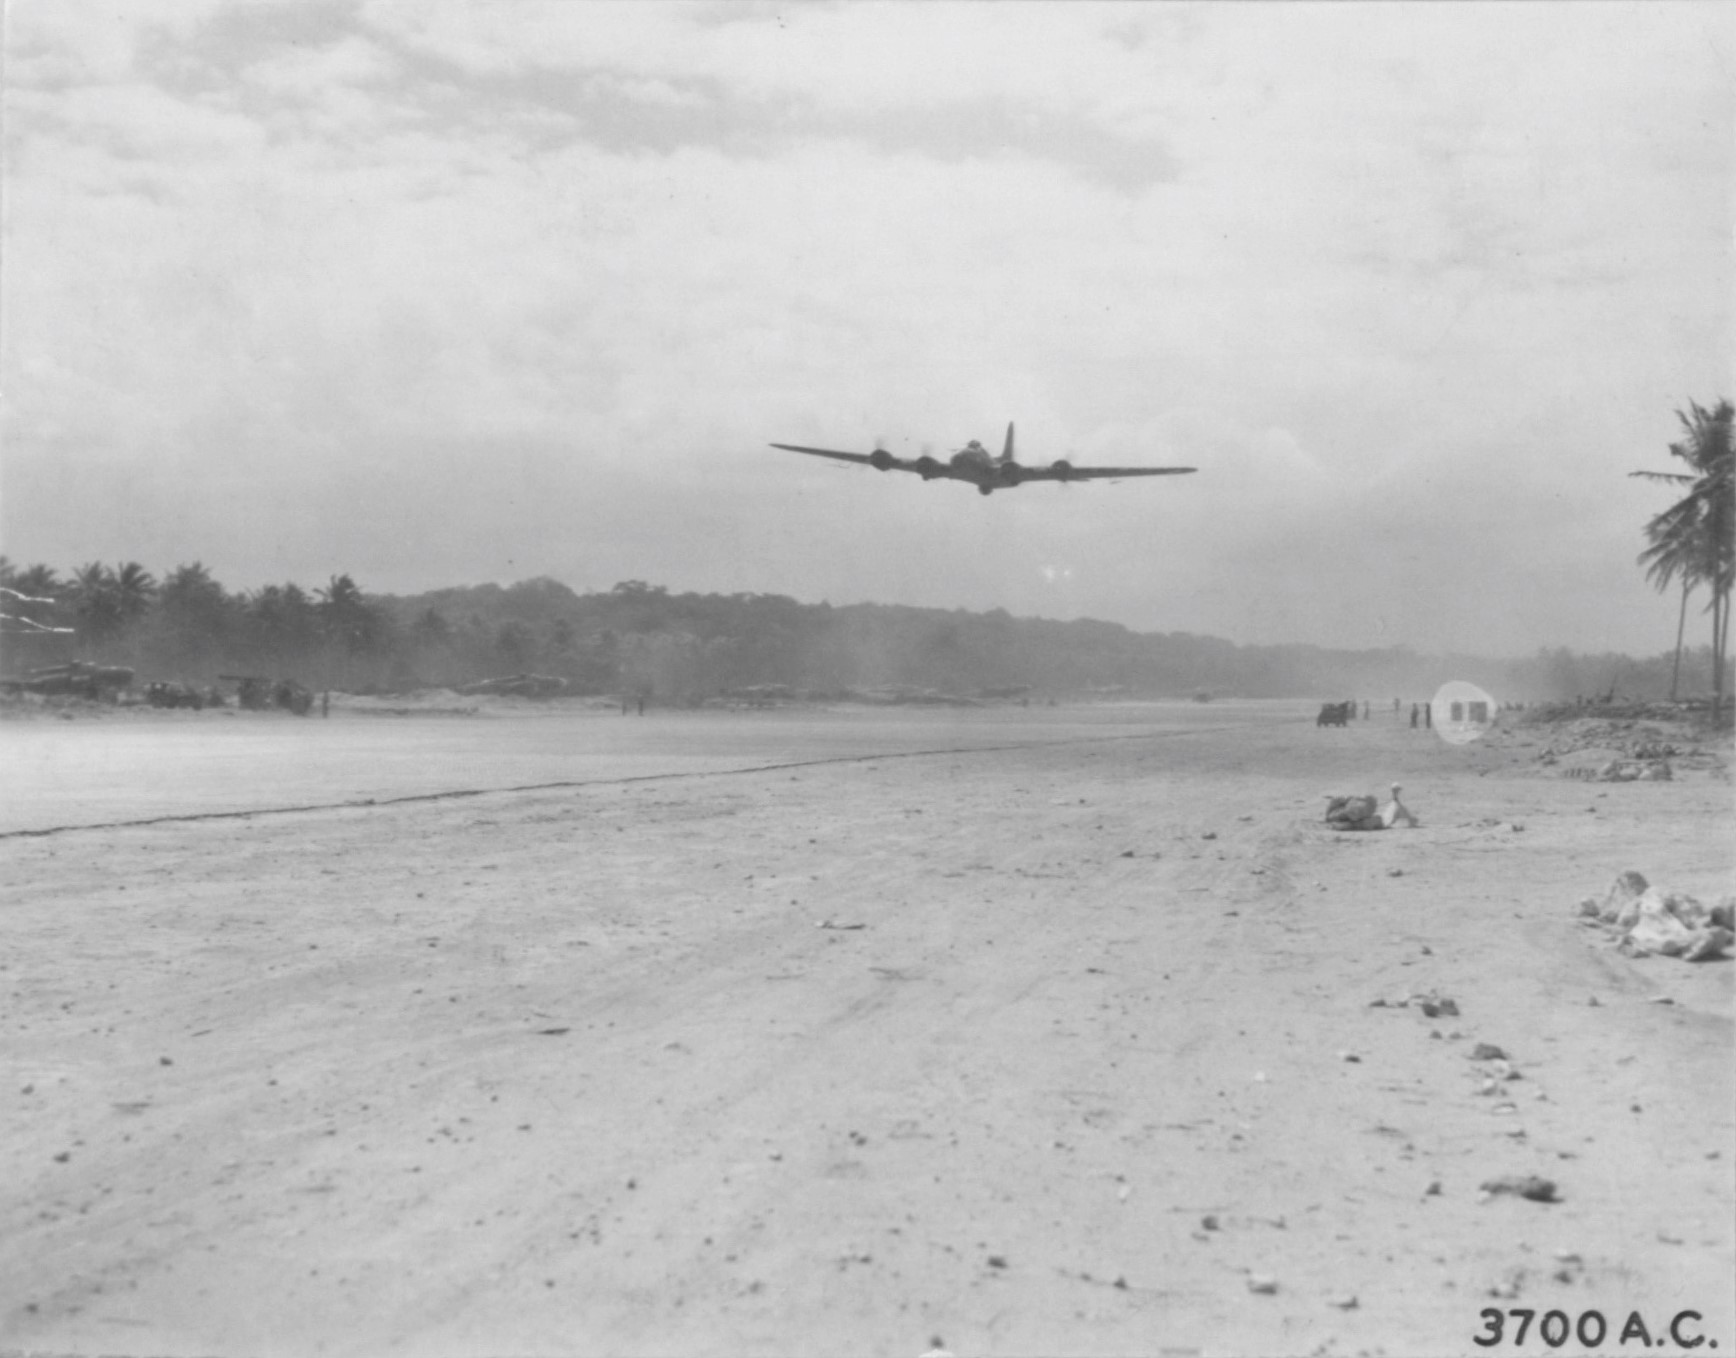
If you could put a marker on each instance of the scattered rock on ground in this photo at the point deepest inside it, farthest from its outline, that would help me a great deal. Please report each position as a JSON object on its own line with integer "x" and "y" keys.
{"x": 1670, "y": 924}
{"x": 1623, "y": 771}
{"x": 1528, "y": 1186}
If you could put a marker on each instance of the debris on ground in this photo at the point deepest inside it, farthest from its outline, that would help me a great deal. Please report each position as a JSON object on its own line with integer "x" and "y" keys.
{"x": 1365, "y": 813}
{"x": 1433, "y": 1004}
{"x": 1624, "y": 743}
{"x": 1497, "y": 1069}
{"x": 1528, "y": 1186}
{"x": 1670, "y": 924}
{"x": 1509, "y": 1288}
{"x": 1262, "y": 1283}
{"x": 1347, "y": 813}
{"x": 1623, "y": 771}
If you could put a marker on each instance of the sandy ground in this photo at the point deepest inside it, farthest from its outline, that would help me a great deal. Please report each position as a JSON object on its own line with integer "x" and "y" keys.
{"x": 1062, "y": 1047}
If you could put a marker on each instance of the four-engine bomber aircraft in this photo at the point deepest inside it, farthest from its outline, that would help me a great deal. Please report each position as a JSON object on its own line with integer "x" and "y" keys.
{"x": 987, "y": 473}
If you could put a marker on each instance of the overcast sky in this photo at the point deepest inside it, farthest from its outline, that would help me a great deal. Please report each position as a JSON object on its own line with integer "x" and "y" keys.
{"x": 446, "y": 293}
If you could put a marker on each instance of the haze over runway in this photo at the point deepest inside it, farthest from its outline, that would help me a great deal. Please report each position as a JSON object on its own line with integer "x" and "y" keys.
{"x": 438, "y": 295}
{"x": 58, "y": 775}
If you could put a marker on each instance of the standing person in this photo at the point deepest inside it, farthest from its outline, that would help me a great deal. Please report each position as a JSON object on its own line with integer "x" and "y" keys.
{"x": 1429, "y": 716}
{"x": 1413, "y": 716}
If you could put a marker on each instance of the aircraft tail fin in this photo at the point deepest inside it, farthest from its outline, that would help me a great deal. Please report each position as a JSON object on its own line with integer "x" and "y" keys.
{"x": 1007, "y": 451}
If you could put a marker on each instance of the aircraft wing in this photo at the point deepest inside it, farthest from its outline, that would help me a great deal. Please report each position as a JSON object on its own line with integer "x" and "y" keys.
{"x": 1069, "y": 473}
{"x": 880, "y": 458}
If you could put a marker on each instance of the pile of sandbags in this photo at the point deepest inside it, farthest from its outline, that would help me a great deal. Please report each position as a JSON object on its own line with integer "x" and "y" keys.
{"x": 1670, "y": 924}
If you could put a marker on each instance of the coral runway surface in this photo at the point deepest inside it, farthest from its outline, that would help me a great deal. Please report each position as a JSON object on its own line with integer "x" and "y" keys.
{"x": 721, "y": 1033}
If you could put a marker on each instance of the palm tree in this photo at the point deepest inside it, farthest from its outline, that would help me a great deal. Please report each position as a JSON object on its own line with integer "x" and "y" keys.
{"x": 94, "y": 601}
{"x": 135, "y": 588}
{"x": 38, "y": 580}
{"x": 342, "y": 611}
{"x": 107, "y": 601}
{"x": 1692, "y": 539}
{"x": 194, "y": 620}
{"x": 34, "y": 592}
{"x": 350, "y": 623}
{"x": 282, "y": 627}
{"x": 32, "y": 615}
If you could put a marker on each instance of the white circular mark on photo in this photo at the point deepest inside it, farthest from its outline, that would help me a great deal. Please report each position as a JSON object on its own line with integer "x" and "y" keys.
{"x": 1461, "y": 712}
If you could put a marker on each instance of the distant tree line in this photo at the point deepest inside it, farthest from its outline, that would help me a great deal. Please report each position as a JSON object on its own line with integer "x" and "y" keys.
{"x": 639, "y": 638}
{"x": 186, "y": 625}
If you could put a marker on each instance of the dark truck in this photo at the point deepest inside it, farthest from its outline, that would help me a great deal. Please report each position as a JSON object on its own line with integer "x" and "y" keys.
{"x": 258, "y": 693}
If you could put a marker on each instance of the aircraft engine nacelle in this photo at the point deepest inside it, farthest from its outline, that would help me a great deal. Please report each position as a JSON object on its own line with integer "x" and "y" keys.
{"x": 927, "y": 467}
{"x": 1011, "y": 475}
{"x": 880, "y": 459}
{"x": 1062, "y": 468}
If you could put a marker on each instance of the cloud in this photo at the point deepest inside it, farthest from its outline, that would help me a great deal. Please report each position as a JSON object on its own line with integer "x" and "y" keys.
{"x": 1413, "y": 287}
{"x": 937, "y": 83}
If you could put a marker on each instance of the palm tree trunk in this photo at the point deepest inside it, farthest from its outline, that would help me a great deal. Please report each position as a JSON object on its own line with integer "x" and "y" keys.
{"x": 1720, "y": 645}
{"x": 1681, "y": 623}
{"x": 1717, "y": 611}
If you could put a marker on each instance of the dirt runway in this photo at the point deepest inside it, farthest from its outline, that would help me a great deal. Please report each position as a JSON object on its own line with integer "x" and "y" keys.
{"x": 1064, "y": 1046}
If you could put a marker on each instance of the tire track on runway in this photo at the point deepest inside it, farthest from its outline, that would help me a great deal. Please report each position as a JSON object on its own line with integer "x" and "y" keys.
{"x": 456, "y": 793}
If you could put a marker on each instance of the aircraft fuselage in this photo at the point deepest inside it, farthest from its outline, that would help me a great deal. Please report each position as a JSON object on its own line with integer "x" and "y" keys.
{"x": 988, "y": 473}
